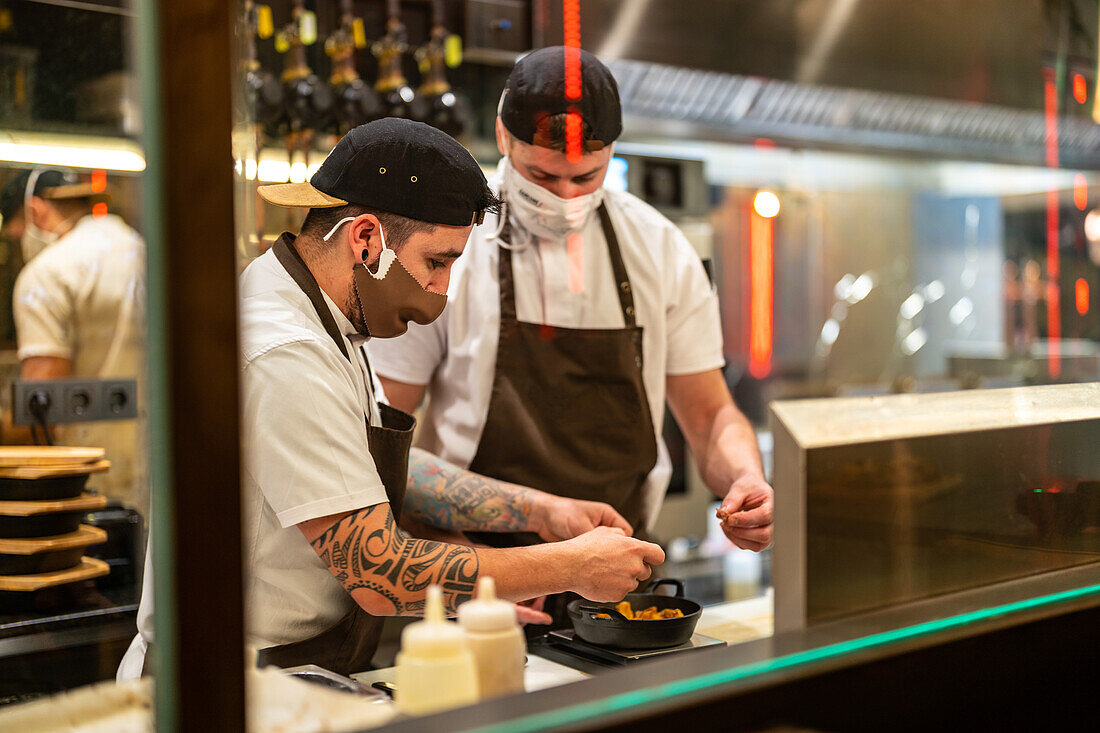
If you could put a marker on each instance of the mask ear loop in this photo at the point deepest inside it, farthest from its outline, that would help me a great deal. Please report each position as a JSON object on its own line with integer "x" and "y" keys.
{"x": 384, "y": 260}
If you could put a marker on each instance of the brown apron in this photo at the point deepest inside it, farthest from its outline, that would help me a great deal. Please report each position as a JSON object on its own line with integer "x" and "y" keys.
{"x": 348, "y": 647}
{"x": 568, "y": 413}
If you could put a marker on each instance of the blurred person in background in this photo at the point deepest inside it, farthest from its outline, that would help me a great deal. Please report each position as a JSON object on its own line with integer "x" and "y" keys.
{"x": 78, "y": 307}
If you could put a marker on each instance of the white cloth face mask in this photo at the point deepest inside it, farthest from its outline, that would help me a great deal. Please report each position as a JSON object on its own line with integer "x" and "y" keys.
{"x": 542, "y": 213}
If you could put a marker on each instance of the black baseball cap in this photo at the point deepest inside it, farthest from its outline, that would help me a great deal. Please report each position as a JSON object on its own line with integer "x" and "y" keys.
{"x": 399, "y": 166}
{"x": 536, "y": 89}
{"x": 51, "y": 184}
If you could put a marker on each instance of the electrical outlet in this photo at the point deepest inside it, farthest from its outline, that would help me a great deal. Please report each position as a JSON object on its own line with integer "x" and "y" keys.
{"x": 118, "y": 399}
{"x": 74, "y": 400}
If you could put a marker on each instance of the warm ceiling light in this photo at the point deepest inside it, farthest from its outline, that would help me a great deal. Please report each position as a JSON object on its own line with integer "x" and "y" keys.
{"x": 1092, "y": 225}
{"x": 766, "y": 204}
{"x": 70, "y": 152}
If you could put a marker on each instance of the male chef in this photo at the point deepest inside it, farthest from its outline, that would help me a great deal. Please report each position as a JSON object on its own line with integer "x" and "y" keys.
{"x": 78, "y": 306}
{"x": 574, "y": 315}
{"x": 326, "y": 475}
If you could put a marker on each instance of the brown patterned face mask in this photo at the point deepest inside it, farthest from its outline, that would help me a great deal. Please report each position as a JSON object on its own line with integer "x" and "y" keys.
{"x": 392, "y": 297}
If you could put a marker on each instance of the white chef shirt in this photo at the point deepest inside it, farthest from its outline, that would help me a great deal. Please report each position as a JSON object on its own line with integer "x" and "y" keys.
{"x": 456, "y": 355}
{"x": 303, "y": 408}
{"x": 83, "y": 298}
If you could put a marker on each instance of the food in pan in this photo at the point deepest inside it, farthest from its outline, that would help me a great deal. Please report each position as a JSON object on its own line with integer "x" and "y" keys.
{"x": 649, "y": 614}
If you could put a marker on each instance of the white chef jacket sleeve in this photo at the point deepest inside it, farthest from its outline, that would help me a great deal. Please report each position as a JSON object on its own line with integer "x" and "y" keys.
{"x": 42, "y": 306}
{"x": 412, "y": 357}
{"x": 305, "y": 435}
{"x": 694, "y": 326}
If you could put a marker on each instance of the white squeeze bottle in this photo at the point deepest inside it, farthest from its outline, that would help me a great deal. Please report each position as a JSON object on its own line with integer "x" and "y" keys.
{"x": 496, "y": 640}
{"x": 435, "y": 669}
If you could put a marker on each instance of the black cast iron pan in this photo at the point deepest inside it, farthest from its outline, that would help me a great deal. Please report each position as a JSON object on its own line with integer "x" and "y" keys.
{"x": 622, "y": 633}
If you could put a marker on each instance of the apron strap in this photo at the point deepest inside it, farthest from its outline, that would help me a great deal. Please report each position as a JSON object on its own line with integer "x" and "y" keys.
{"x": 296, "y": 267}
{"x": 622, "y": 281}
{"x": 618, "y": 268}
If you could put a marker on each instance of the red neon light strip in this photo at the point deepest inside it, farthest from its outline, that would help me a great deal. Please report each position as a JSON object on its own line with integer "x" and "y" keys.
{"x": 1082, "y": 296}
{"x": 760, "y": 295}
{"x": 1080, "y": 89}
{"x": 1054, "y": 319}
{"x": 571, "y": 15}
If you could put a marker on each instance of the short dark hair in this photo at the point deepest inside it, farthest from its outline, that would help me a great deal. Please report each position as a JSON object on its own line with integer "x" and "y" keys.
{"x": 398, "y": 229}
{"x": 550, "y": 133}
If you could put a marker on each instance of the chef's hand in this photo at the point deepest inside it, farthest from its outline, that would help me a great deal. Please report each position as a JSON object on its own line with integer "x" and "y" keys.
{"x": 746, "y": 513}
{"x": 556, "y": 518}
{"x": 530, "y": 612}
{"x": 605, "y": 564}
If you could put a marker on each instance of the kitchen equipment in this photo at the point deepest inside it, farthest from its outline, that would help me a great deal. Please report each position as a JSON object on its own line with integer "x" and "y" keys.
{"x": 42, "y": 483}
{"x": 564, "y": 647}
{"x": 320, "y": 676}
{"x": 622, "y": 633}
{"x": 355, "y": 102}
{"x": 46, "y": 518}
{"x": 123, "y": 549}
{"x": 43, "y": 591}
{"x": 393, "y": 89}
{"x": 22, "y": 456}
{"x": 436, "y": 103}
{"x": 47, "y": 554}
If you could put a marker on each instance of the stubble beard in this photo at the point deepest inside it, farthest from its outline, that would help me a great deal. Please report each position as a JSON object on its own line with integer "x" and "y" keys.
{"x": 354, "y": 309}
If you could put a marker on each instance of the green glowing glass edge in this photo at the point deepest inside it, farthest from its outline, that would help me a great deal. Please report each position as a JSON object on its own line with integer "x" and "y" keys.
{"x": 657, "y": 693}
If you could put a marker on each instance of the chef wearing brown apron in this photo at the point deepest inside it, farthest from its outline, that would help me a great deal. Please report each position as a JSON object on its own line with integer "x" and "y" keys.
{"x": 568, "y": 412}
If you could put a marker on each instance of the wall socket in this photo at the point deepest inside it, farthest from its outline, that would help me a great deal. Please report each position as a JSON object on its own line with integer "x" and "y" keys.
{"x": 74, "y": 400}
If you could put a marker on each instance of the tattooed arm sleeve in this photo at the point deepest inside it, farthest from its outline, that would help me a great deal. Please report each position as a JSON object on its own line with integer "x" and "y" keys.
{"x": 385, "y": 570}
{"x": 443, "y": 495}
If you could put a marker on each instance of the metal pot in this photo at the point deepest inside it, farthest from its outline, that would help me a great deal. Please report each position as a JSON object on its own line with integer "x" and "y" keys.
{"x": 623, "y": 633}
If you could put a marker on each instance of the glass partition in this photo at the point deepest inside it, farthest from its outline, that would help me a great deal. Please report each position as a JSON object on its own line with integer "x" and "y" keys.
{"x": 874, "y": 227}
{"x": 73, "y": 330}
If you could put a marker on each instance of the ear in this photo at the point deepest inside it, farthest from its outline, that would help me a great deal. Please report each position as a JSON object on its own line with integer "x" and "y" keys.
{"x": 40, "y": 211}
{"x": 502, "y": 137}
{"x": 363, "y": 240}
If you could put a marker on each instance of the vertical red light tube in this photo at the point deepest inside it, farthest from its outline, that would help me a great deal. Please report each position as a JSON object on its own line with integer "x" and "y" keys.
{"x": 571, "y": 21}
{"x": 1054, "y": 319}
{"x": 760, "y": 295}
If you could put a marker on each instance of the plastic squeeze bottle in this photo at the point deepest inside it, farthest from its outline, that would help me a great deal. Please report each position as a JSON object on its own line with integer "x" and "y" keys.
{"x": 435, "y": 669}
{"x": 495, "y": 639}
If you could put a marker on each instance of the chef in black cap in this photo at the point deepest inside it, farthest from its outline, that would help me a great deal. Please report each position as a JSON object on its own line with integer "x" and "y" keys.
{"x": 578, "y": 312}
{"x": 327, "y": 476}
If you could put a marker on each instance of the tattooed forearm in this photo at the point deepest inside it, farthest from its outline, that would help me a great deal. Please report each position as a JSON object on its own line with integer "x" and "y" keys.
{"x": 366, "y": 550}
{"x": 444, "y": 495}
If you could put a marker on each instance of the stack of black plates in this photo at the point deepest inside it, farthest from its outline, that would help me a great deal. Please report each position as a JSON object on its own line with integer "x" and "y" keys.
{"x": 42, "y": 539}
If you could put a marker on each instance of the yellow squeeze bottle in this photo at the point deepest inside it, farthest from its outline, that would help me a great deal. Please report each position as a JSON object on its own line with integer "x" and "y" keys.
{"x": 435, "y": 669}
{"x": 496, "y": 640}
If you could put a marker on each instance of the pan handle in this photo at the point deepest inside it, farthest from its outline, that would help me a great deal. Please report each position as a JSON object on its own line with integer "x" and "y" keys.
{"x": 675, "y": 582}
{"x": 612, "y": 612}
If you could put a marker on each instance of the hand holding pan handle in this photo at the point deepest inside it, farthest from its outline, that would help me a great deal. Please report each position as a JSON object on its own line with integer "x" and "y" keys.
{"x": 677, "y": 583}
{"x": 612, "y": 612}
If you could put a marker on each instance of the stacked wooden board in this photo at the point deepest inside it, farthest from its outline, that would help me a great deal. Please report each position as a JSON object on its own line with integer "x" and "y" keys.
{"x": 42, "y": 538}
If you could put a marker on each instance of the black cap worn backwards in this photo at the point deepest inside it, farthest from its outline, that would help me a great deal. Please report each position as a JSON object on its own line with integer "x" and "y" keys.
{"x": 49, "y": 180}
{"x": 394, "y": 165}
{"x": 535, "y": 90}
